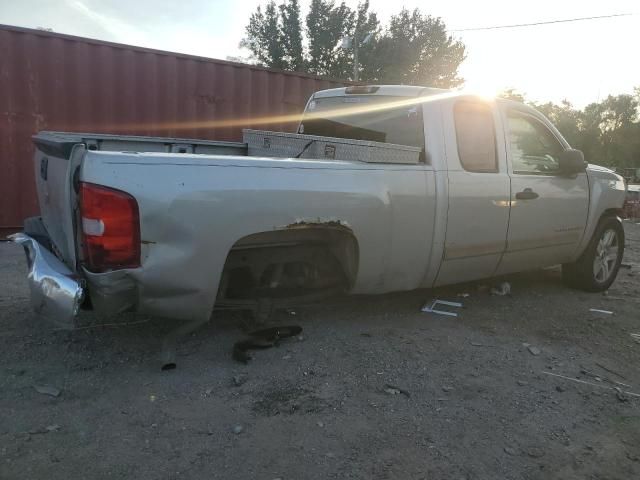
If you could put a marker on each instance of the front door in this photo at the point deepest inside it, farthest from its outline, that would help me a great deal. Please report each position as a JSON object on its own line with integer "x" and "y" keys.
{"x": 548, "y": 210}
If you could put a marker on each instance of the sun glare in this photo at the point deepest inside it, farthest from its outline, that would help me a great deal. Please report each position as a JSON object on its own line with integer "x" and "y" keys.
{"x": 486, "y": 88}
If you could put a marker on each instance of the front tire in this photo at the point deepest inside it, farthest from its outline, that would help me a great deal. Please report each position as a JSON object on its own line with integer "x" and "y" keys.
{"x": 598, "y": 266}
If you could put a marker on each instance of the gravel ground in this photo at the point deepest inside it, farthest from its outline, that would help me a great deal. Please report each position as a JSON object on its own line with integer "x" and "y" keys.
{"x": 374, "y": 389}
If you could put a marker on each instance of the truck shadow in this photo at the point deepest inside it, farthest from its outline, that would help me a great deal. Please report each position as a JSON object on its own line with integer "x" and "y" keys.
{"x": 128, "y": 339}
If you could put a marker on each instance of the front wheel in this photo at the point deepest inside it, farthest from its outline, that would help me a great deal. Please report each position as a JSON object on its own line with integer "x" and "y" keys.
{"x": 598, "y": 266}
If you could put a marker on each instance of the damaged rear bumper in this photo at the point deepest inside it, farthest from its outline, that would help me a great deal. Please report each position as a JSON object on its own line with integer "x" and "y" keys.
{"x": 56, "y": 293}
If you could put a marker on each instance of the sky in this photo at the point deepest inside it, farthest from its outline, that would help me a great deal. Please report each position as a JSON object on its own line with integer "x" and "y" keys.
{"x": 581, "y": 61}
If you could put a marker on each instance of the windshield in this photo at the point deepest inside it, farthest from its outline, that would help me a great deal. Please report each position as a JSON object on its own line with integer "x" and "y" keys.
{"x": 349, "y": 117}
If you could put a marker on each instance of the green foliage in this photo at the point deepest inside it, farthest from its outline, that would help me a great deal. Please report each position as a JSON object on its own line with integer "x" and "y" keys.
{"x": 413, "y": 49}
{"x": 326, "y": 25}
{"x": 416, "y": 49}
{"x": 608, "y": 132}
{"x": 264, "y": 37}
{"x": 291, "y": 35}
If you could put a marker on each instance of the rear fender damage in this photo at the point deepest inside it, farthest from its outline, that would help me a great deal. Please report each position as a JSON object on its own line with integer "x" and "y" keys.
{"x": 299, "y": 261}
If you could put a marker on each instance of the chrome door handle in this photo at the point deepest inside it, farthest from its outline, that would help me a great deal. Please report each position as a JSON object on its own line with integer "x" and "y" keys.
{"x": 526, "y": 194}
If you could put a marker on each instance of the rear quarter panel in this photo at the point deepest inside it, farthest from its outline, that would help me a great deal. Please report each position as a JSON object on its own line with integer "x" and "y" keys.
{"x": 194, "y": 209}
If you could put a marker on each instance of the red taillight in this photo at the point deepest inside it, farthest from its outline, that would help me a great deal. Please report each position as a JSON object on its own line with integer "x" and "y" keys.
{"x": 110, "y": 227}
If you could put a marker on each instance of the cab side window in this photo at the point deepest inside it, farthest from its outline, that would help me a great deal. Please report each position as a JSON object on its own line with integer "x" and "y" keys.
{"x": 476, "y": 136}
{"x": 534, "y": 148}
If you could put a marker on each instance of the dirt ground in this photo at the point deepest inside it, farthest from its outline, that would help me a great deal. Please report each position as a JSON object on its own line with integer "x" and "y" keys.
{"x": 470, "y": 398}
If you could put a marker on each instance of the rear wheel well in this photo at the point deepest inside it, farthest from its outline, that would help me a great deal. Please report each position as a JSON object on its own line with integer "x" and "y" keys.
{"x": 300, "y": 261}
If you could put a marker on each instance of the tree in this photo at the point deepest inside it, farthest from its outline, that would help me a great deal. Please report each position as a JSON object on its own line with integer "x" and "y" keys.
{"x": 264, "y": 37}
{"x": 607, "y": 132}
{"x": 566, "y": 119}
{"x": 364, "y": 33}
{"x": 327, "y": 24}
{"x": 618, "y": 131}
{"x": 291, "y": 35}
{"x": 512, "y": 94}
{"x": 416, "y": 49}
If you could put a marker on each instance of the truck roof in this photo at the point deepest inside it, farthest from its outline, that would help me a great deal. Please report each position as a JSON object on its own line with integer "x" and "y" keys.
{"x": 390, "y": 90}
{"x": 416, "y": 91}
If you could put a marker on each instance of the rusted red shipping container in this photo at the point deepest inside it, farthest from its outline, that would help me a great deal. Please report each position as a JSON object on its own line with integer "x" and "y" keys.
{"x": 50, "y": 81}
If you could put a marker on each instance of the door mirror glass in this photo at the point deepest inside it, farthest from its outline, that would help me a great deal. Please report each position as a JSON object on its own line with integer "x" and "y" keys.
{"x": 571, "y": 162}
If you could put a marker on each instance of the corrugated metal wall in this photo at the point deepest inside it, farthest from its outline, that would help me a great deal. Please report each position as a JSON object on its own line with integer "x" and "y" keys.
{"x": 50, "y": 81}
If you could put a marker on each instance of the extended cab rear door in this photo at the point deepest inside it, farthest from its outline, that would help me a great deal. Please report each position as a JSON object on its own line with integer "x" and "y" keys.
{"x": 548, "y": 210}
{"x": 478, "y": 190}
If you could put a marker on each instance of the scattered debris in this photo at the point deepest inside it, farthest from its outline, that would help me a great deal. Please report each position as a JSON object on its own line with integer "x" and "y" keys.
{"x": 601, "y": 378}
{"x": 611, "y": 371}
{"x": 47, "y": 429}
{"x": 591, "y": 374}
{"x": 510, "y": 451}
{"x": 261, "y": 339}
{"x": 320, "y": 424}
{"x": 635, "y": 336}
{"x": 478, "y": 344}
{"x": 431, "y": 308}
{"x": 503, "y": 289}
{"x": 560, "y": 388}
{"x": 631, "y": 394}
{"x": 604, "y": 312}
{"x": 522, "y": 383}
{"x": 237, "y": 429}
{"x": 533, "y": 350}
{"x": 47, "y": 390}
{"x": 625, "y": 265}
{"x": 463, "y": 295}
{"x": 621, "y": 395}
{"x": 239, "y": 380}
{"x": 447, "y": 388}
{"x": 535, "y": 452}
{"x": 393, "y": 390}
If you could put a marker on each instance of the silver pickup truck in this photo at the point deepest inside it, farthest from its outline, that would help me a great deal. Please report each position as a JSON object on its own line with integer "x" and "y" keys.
{"x": 176, "y": 227}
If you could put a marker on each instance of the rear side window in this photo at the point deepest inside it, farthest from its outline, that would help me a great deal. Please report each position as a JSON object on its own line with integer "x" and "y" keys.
{"x": 476, "y": 137}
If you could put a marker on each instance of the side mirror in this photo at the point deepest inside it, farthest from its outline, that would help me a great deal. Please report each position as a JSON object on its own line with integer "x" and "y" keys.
{"x": 571, "y": 162}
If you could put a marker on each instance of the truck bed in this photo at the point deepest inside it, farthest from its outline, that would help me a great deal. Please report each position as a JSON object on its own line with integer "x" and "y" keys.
{"x": 60, "y": 144}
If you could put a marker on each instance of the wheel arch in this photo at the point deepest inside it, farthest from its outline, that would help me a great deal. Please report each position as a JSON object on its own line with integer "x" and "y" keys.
{"x": 291, "y": 242}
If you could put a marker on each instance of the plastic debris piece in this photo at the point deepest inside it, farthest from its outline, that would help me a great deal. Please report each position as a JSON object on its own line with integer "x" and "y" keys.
{"x": 503, "y": 289}
{"x": 393, "y": 390}
{"x": 604, "y": 312}
{"x": 533, "y": 350}
{"x": 631, "y": 394}
{"x": 237, "y": 429}
{"x": 47, "y": 390}
{"x": 432, "y": 308}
